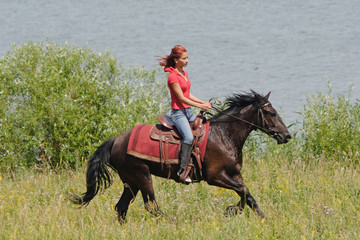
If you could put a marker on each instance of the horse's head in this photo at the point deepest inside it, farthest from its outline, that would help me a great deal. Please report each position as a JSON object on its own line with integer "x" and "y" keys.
{"x": 256, "y": 111}
{"x": 269, "y": 120}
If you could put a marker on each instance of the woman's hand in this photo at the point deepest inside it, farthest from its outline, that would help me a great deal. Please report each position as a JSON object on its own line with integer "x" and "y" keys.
{"x": 206, "y": 106}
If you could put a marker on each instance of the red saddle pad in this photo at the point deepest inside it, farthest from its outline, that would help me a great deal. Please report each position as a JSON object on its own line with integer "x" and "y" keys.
{"x": 142, "y": 146}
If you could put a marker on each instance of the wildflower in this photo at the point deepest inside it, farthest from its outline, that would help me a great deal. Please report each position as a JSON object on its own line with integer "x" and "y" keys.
{"x": 312, "y": 209}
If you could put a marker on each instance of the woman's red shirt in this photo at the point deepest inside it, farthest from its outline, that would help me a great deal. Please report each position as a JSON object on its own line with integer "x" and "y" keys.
{"x": 175, "y": 77}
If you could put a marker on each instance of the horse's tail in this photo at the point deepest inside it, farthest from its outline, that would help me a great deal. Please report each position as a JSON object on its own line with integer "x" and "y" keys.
{"x": 98, "y": 176}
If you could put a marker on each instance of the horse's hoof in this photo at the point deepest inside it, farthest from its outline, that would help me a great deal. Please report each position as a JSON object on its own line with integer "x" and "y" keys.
{"x": 121, "y": 220}
{"x": 261, "y": 214}
{"x": 231, "y": 211}
{"x": 121, "y": 217}
{"x": 160, "y": 213}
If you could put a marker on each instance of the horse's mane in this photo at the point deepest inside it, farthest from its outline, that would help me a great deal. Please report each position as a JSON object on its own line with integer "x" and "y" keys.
{"x": 238, "y": 101}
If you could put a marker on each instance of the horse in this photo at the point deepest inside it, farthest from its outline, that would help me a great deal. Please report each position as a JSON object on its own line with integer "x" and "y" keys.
{"x": 228, "y": 131}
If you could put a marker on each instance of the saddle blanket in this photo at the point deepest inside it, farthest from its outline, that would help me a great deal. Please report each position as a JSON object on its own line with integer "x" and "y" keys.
{"x": 142, "y": 146}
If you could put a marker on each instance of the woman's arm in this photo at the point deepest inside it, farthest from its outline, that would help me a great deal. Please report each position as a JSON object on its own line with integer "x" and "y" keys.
{"x": 192, "y": 101}
{"x": 195, "y": 99}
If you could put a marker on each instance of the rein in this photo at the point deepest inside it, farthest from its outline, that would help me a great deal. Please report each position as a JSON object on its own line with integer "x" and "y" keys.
{"x": 245, "y": 121}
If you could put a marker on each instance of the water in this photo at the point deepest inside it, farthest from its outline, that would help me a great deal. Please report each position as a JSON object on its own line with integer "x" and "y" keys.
{"x": 287, "y": 47}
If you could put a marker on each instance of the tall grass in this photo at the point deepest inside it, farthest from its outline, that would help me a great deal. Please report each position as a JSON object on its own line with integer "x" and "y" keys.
{"x": 315, "y": 201}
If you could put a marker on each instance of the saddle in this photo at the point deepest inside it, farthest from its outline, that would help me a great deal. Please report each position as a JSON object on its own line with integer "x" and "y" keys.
{"x": 166, "y": 133}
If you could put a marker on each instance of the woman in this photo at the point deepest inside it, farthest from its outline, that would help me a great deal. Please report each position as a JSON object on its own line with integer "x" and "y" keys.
{"x": 181, "y": 102}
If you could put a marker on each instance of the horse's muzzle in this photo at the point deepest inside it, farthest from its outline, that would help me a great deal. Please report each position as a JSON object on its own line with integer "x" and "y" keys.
{"x": 281, "y": 138}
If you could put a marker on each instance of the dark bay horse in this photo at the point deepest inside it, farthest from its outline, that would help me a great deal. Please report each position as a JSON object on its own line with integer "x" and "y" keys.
{"x": 222, "y": 162}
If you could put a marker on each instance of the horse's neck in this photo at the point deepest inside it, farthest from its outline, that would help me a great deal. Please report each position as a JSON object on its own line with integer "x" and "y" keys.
{"x": 238, "y": 131}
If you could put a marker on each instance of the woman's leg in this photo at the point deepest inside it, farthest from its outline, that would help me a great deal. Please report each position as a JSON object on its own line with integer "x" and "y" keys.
{"x": 180, "y": 118}
{"x": 181, "y": 121}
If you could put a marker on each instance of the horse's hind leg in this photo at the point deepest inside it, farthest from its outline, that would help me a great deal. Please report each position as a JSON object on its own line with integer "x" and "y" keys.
{"x": 126, "y": 198}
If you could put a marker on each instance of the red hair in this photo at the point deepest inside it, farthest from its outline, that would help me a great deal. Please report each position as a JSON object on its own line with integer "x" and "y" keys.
{"x": 168, "y": 60}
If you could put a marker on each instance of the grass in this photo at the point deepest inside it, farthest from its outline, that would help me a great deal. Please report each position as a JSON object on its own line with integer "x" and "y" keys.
{"x": 301, "y": 201}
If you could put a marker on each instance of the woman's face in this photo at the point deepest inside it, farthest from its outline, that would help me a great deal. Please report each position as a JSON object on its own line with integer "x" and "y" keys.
{"x": 182, "y": 61}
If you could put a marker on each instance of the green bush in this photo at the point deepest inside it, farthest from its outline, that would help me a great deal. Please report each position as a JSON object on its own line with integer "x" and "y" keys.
{"x": 58, "y": 102}
{"x": 331, "y": 127}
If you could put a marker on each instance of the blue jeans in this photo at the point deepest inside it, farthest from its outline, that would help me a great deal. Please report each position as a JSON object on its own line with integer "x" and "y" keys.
{"x": 181, "y": 119}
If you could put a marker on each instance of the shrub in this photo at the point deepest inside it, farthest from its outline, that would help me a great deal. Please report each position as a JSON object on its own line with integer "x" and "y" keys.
{"x": 331, "y": 127}
{"x": 58, "y": 102}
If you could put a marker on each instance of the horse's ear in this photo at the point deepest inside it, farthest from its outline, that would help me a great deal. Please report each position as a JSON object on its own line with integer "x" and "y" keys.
{"x": 268, "y": 95}
{"x": 258, "y": 98}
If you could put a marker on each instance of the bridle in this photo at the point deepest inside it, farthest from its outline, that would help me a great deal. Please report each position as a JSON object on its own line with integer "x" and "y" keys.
{"x": 260, "y": 114}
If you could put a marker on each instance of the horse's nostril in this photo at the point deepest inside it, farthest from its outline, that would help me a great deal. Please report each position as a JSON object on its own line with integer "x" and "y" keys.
{"x": 288, "y": 137}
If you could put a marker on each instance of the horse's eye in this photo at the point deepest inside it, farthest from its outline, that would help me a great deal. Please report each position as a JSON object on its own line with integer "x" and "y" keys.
{"x": 272, "y": 114}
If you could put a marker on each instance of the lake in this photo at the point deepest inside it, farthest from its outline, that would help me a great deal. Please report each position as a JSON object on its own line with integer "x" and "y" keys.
{"x": 287, "y": 47}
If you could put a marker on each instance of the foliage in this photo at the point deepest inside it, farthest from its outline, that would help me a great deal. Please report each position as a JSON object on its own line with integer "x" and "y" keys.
{"x": 59, "y": 102}
{"x": 332, "y": 127}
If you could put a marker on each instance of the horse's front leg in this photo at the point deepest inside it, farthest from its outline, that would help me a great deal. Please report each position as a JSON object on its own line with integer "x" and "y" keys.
{"x": 246, "y": 197}
{"x": 236, "y": 183}
{"x": 147, "y": 191}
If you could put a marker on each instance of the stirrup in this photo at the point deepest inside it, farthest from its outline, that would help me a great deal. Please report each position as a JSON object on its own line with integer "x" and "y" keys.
{"x": 184, "y": 175}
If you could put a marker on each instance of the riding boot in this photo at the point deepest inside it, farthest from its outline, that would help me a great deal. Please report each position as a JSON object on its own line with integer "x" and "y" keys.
{"x": 185, "y": 154}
